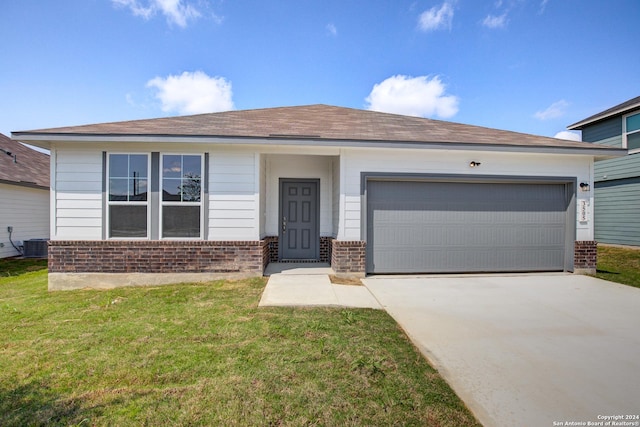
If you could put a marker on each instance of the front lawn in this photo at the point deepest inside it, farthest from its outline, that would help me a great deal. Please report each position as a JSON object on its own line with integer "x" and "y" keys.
{"x": 620, "y": 265}
{"x": 205, "y": 355}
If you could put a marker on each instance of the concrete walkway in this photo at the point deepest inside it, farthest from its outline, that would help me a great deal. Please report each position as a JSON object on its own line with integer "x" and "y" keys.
{"x": 308, "y": 284}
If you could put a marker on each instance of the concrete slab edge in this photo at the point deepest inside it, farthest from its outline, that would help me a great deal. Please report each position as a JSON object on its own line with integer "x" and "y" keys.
{"x": 73, "y": 281}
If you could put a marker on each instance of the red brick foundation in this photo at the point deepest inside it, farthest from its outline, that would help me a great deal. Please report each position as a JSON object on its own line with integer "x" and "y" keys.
{"x": 348, "y": 257}
{"x": 585, "y": 256}
{"x": 270, "y": 250}
{"x": 157, "y": 256}
{"x": 325, "y": 248}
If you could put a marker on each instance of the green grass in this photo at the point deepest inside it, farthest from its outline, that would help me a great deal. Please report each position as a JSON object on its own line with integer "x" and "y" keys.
{"x": 15, "y": 267}
{"x": 205, "y": 355}
{"x": 621, "y": 265}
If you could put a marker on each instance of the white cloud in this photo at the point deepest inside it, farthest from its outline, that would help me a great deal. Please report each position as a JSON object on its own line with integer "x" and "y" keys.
{"x": 332, "y": 29}
{"x": 571, "y": 136}
{"x": 176, "y": 11}
{"x": 437, "y": 18}
{"x": 413, "y": 96}
{"x": 493, "y": 21}
{"x": 555, "y": 110}
{"x": 193, "y": 93}
{"x": 543, "y": 5}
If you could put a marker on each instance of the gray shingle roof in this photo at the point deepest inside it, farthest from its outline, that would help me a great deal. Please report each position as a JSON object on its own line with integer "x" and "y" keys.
{"x": 625, "y": 107}
{"x": 316, "y": 122}
{"x": 31, "y": 168}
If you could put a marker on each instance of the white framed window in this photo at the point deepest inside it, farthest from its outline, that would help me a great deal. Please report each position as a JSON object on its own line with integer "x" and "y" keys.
{"x": 128, "y": 196}
{"x": 631, "y": 132}
{"x": 181, "y": 189}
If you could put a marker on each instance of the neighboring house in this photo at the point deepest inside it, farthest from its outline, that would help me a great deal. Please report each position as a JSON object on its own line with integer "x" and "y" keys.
{"x": 24, "y": 195}
{"x": 617, "y": 181}
{"x": 188, "y": 198}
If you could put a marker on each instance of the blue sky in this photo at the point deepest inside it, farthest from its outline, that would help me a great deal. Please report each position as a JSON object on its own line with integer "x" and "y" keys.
{"x": 531, "y": 66}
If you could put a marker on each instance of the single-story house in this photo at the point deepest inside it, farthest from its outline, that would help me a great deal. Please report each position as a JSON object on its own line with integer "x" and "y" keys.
{"x": 24, "y": 197}
{"x": 186, "y": 198}
{"x": 617, "y": 180}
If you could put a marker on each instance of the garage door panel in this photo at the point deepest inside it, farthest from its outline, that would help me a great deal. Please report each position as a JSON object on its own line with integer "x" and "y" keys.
{"x": 415, "y": 227}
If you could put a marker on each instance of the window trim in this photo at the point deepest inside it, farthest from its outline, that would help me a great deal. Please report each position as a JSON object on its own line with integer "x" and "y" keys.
{"x": 163, "y": 203}
{"x": 625, "y": 133}
{"x": 110, "y": 203}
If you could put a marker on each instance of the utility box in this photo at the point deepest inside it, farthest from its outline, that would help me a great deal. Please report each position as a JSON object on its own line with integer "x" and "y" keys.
{"x": 35, "y": 248}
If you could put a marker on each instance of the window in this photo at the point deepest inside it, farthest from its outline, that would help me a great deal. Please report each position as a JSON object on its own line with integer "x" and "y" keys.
{"x": 631, "y": 128}
{"x": 181, "y": 208}
{"x": 128, "y": 198}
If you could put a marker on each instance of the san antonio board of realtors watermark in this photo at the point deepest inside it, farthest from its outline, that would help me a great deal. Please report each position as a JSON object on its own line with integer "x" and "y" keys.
{"x": 604, "y": 421}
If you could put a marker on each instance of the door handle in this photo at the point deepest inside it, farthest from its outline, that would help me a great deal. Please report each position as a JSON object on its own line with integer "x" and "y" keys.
{"x": 284, "y": 224}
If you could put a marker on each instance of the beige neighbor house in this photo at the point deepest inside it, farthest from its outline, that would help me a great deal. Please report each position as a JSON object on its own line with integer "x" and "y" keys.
{"x": 193, "y": 197}
{"x": 24, "y": 198}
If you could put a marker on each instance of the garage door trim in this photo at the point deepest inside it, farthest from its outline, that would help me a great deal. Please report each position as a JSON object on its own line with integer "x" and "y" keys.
{"x": 569, "y": 183}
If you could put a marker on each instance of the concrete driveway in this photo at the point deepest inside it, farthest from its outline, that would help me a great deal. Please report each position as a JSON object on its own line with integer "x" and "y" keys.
{"x": 526, "y": 350}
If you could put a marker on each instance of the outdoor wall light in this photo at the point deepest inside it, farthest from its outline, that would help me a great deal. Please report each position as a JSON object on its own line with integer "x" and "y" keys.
{"x": 474, "y": 164}
{"x": 584, "y": 186}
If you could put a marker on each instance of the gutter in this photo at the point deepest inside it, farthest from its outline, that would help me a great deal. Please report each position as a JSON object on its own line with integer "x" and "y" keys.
{"x": 45, "y": 140}
{"x": 24, "y": 184}
{"x": 597, "y": 118}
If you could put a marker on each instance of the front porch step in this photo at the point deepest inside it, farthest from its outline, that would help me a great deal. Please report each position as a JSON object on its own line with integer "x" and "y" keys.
{"x": 290, "y": 268}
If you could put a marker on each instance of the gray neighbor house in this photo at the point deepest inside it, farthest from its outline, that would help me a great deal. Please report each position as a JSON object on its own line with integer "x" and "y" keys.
{"x": 616, "y": 180}
{"x": 24, "y": 200}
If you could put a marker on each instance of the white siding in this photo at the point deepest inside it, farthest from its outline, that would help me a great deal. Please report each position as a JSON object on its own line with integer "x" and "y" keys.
{"x": 295, "y": 166}
{"x": 27, "y": 211}
{"x": 233, "y": 196}
{"x": 244, "y": 185}
{"x": 263, "y": 191}
{"x": 77, "y": 196}
{"x": 356, "y": 161}
{"x": 335, "y": 195}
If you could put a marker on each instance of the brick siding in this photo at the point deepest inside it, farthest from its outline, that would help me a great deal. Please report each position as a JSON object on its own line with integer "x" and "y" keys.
{"x": 585, "y": 255}
{"x": 156, "y": 256}
{"x": 348, "y": 256}
{"x": 270, "y": 249}
{"x": 325, "y": 248}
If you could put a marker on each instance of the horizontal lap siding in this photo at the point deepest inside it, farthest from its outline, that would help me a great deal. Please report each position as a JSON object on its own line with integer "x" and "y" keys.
{"x": 617, "y": 212}
{"x": 604, "y": 130}
{"x": 233, "y": 197}
{"x": 78, "y": 194}
{"x": 27, "y": 211}
{"x": 619, "y": 168}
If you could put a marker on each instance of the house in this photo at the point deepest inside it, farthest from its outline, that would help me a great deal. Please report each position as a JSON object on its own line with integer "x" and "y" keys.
{"x": 617, "y": 180}
{"x": 24, "y": 196}
{"x": 193, "y": 197}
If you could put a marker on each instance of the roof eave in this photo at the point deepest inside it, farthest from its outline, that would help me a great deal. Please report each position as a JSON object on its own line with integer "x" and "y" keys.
{"x": 46, "y": 139}
{"x": 24, "y": 184}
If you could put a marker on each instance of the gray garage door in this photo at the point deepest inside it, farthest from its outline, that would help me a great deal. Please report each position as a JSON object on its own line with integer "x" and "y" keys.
{"x": 446, "y": 227}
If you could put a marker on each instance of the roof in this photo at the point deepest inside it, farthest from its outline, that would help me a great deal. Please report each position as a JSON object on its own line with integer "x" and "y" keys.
{"x": 625, "y": 107}
{"x": 318, "y": 123}
{"x": 23, "y": 166}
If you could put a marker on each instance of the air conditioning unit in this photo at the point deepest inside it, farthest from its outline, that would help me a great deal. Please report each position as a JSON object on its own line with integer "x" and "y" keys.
{"x": 35, "y": 248}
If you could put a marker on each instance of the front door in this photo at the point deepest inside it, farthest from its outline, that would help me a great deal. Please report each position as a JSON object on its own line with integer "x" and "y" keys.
{"x": 299, "y": 226}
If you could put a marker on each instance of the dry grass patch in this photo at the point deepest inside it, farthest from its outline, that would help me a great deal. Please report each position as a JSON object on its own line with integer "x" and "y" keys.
{"x": 345, "y": 280}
